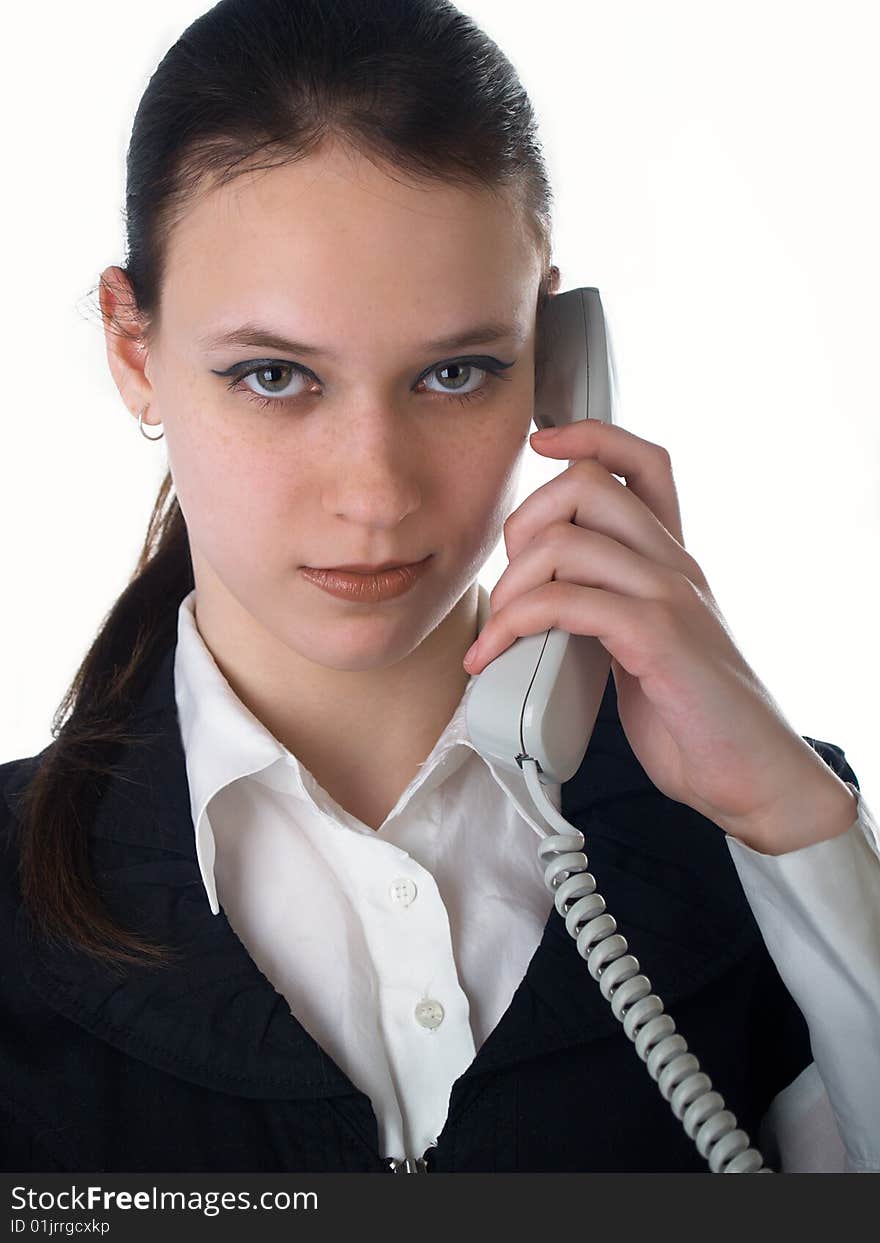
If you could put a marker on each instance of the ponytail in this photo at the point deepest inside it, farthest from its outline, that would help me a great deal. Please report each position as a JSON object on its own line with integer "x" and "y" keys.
{"x": 89, "y": 728}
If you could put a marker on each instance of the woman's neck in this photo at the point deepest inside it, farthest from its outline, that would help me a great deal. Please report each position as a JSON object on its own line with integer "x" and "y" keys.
{"x": 362, "y": 735}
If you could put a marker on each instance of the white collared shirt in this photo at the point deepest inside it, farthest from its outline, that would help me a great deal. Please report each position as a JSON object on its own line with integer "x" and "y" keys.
{"x": 387, "y": 946}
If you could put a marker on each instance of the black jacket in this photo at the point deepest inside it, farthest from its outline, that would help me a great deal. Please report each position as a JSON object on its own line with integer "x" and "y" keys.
{"x": 202, "y": 1067}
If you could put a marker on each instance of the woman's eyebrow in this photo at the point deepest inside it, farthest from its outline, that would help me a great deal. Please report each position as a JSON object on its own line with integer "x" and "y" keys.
{"x": 257, "y": 335}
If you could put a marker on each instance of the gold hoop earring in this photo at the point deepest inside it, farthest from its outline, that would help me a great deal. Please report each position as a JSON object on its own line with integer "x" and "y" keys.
{"x": 141, "y": 426}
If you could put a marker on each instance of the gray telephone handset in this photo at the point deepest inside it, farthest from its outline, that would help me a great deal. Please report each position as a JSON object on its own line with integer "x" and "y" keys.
{"x": 534, "y": 708}
{"x": 541, "y": 696}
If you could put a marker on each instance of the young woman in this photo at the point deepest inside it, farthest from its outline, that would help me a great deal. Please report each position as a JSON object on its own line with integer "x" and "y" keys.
{"x": 265, "y": 907}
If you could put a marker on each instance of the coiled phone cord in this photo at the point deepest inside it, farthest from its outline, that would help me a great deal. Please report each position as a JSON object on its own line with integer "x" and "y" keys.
{"x": 676, "y": 1071}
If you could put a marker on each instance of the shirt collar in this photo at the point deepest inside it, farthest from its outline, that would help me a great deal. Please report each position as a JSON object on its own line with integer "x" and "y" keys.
{"x": 223, "y": 741}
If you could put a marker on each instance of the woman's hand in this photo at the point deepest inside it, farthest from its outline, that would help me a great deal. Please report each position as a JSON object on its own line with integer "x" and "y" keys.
{"x": 593, "y": 556}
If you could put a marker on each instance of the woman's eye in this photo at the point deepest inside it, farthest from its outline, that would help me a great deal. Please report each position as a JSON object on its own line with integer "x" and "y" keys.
{"x": 274, "y": 380}
{"x": 458, "y": 373}
{"x": 271, "y": 381}
{"x": 458, "y": 377}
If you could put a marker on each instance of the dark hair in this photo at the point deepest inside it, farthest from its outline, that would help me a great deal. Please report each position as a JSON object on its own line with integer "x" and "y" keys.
{"x": 415, "y": 86}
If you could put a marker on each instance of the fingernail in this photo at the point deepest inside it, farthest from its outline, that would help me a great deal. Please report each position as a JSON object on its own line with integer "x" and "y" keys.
{"x": 546, "y": 431}
{"x": 469, "y": 654}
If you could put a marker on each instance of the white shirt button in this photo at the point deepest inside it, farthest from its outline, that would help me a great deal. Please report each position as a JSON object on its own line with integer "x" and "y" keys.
{"x": 402, "y": 890}
{"x": 429, "y": 1013}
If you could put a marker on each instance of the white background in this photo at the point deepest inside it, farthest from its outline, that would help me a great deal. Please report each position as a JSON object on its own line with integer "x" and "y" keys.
{"x": 715, "y": 174}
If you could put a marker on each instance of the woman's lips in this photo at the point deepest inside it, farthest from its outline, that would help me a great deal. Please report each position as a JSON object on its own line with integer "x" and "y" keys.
{"x": 367, "y": 588}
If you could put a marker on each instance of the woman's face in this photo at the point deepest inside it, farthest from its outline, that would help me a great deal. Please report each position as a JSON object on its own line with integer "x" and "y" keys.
{"x": 363, "y": 448}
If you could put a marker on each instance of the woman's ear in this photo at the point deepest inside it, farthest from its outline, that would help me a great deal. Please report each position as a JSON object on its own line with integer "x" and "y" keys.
{"x": 124, "y": 338}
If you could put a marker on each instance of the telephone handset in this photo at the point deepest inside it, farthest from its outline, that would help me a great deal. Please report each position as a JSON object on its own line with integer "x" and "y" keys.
{"x": 542, "y": 695}
{"x": 534, "y": 707}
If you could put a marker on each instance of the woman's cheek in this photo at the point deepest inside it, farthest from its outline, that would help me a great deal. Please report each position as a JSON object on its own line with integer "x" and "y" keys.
{"x": 225, "y": 497}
